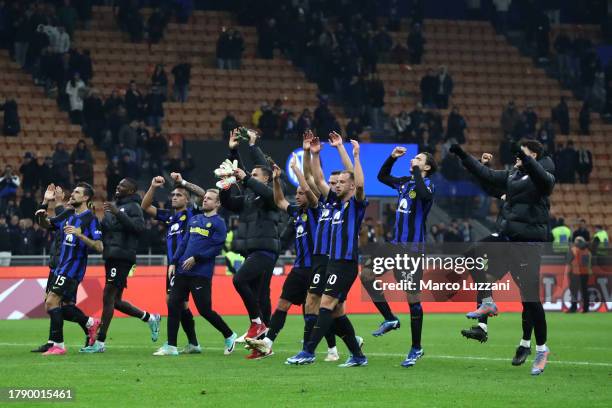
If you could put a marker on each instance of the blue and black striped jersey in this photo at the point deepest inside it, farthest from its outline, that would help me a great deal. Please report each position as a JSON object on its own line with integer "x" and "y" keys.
{"x": 323, "y": 231}
{"x": 176, "y": 226}
{"x": 346, "y": 224}
{"x": 73, "y": 252}
{"x": 305, "y": 222}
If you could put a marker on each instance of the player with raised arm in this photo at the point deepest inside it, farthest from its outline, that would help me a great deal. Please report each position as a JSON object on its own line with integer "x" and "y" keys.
{"x": 192, "y": 271}
{"x": 342, "y": 270}
{"x": 80, "y": 232}
{"x": 176, "y": 220}
{"x": 304, "y": 213}
{"x": 70, "y": 312}
{"x": 122, "y": 225}
{"x": 415, "y": 198}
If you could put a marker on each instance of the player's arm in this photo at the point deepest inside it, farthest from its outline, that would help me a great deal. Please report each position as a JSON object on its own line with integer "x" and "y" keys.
{"x": 147, "y": 200}
{"x": 233, "y": 149}
{"x": 308, "y": 136}
{"x": 279, "y": 198}
{"x": 214, "y": 243}
{"x": 384, "y": 174}
{"x": 358, "y": 173}
{"x": 497, "y": 178}
{"x": 231, "y": 202}
{"x": 41, "y": 214}
{"x": 422, "y": 191}
{"x": 335, "y": 140}
{"x": 257, "y": 156}
{"x": 259, "y": 188}
{"x": 313, "y": 200}
{"x": 192, "y": 188}
{"x": 94, "y": 242}
{"x": 132, "y": 219}
{"x": 539, "y": 176}
{"x": 317, "y": 171}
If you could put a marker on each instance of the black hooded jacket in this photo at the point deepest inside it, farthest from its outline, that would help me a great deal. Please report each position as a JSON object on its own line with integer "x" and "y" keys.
{"x": 120, "y": 233}
{"x": 525, "y": 212}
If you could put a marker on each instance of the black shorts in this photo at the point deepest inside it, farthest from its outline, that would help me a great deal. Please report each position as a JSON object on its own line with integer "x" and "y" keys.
{"x": 340, "y": 277}
{"x": 170, "y": 285}
{"x": 318, "y": 274}
{"x": 65, "y": 287}
{"x": 50, "y": 280}
{"x": 296, "y": 285}
{"x": 117, "y": 271}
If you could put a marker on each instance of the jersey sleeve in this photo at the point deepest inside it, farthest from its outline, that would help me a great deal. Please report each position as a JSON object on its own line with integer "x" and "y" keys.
{"x": 94, "y": 232}
{"x": 163, "y": 215}
{"x": 292, "y": 210}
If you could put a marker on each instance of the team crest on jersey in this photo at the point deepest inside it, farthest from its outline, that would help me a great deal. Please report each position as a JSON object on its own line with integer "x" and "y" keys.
{"x": 208, "y": 224}
{"x": 412, "y": 194}
{"x": 183, "y": 217}
{"x": 304, "y": 217}
{"x": 122, "y": 209}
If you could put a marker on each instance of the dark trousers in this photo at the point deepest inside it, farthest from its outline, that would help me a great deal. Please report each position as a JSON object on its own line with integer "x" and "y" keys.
{"x": 200, "y": 288}
{"x": 579, "y": 283}
{"x": 252, "y": 282}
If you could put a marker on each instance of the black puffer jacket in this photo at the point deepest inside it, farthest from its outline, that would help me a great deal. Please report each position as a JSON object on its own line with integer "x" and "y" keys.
{"x": 120, "y": 233}
{"x": 525, "y": 213}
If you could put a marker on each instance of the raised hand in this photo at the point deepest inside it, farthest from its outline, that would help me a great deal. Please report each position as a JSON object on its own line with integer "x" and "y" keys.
{"x": 308, "y": 136}
{"x": 294, "y": 161}
{"x": 276, "y": 172}
{"x": 355, "y": 147}
{"x": 157, "y": 181}
{"x": 59, "y": 194}
{"x": 335, "y": 139}
{"x": 398, "y": 151}
{"x": 233, "y": 139}
{"x": 239, "y": 173}
{"x": 177, "y": 177}
{"x": 110, "y": 207}
{"x": 486, "y": 158}
{"x": 49, "y": 193}
{"x": 315, "y": 145}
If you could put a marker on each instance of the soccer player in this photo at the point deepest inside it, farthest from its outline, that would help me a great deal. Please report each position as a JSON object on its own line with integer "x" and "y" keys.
{"x": 176, "y": 220}
{"x": 192, "y": 271}
{"x": 257, "y": 237}
{"x": 342, "y": 269}
{"x": 415, "y": 198}
{"x": 522, "y": 224}
{"x": 122, "y": 224}
{"x": 304, "y": 214}
{"x": 80, "y": 232}
{"x": 70, "y": 311}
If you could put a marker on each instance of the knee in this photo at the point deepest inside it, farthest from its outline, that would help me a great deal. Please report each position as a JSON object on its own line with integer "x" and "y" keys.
{"x": 328, "y": 302}
{"x": 52, "y": 301}
{"x": 283, "y": 305}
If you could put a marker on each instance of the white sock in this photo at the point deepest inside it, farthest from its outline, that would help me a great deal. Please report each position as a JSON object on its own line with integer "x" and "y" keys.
{"x": 483, "y": 326}
{"x": 268, "y": 342}
{"x": 332, "y": 349}
{"x": 90, "y": 322}
{"x": 60, "y": 345}
{"x": 151, "y": 317}
{"x": 50, "y": 341}
{"x": 487, "y": 300}
{"x": 256, "y": 321}
{"x": 100, "y": 343}
{"x": 540, "y": 348}
{"x": 525, "y": 343}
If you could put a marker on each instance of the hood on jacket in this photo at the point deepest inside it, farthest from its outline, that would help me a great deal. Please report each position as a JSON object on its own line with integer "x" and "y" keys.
{"x": 132, "y": 198}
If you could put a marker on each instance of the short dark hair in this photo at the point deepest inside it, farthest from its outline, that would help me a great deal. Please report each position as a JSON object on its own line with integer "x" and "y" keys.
{"x": 534, "y": 146}
{"x": 335, "y": 172}
{"x": 266, "y": 170}
{"x": 88, "y": 190}
{"x": 133, "y": 183}
{"x": 350, "y": 173}
{"x": 431, "y": 162}
{"x": 561, "y": 221}
{"x": 183, "y": 189}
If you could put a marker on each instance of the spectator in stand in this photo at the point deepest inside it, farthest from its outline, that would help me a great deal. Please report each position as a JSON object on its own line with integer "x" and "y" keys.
{"x": 27, "y": 205}
{"x": 5, "y": 242}
{"x": 11, "y": 125}
{"x": 45, "y": 166}
{"x": 159, "y": 79}
{"x": 82, "y": 163}
{"x": 531, "y": 121}
{"x": 134, "y": 102}
{"x": 26, "y": 238}
{"x": 12, "y": 210}
{"x": 399, "y": 54}
{"x": 113, "y": 103}
{"x": 428, "y": 88}
{"x": 324, "y": 121}
{"x": 584, "y": 118}
{"x": 455, "y": 127}
{"x": 506, "y": 157}
{"x": 184, "y": 8}
{"x": 128, "y": 167}
{"x": 546, "y": 136}
{"x": 154, "y": 107}
{"x": 383, "y": 43}
{"x": 75, "y": 89}
{"x": 401, "y": 123}
{"x": 228, "y": 124}
{"x": 563, "y": 48}
{"x": 21, "y": 30}
{"x": 567, "y": 164}
{"x": 30, "y": 173}
{"x": 304, "y": 122}
{"x": 416, "y": 44}
{"x": 376, "y": 102}
{"x": 14, "y": 232}
{"x": 223, "y": 50}
{"x": 9, "y": 183}
{"x": 113, "y": 177}
{"x": 354, "y": 128}
{"x": 68, "y": 17}
{"x": 268, "y": 123}
{"x": 585, "y": 165}
{"x": 560, "y": 116}
{"x": 61, "y": 162}
{"x": 63, "y": 44}
{"x": 542, "y": 35}
{"x": 128, "y": 139}
{"x": 39, "y": 41}
{"x": 182, "y": 75}
{"x": 156, "y": 26}
{"x": 582, "y": 231}
{"x": 437, "y": 232}
{"x": 509, "y": 118}
{"x": 444, "y": 88}
{"x": 452, "y": 233}
{"x": 288, "y": 126}
{"x": 235, "y": 49}
{"x": 268, "y": 37}
{"x": 94, "y": 119}
{"x": 84, "y": 9}
{"x": 86, "y": 67}
{"x": 135, "y": 25}
{"x": 157, "y": 147}
{"x": 598, "y": 93}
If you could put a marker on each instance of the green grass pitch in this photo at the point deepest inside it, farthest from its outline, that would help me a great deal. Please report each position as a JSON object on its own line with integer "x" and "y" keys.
{"x": 454, "y": 372}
